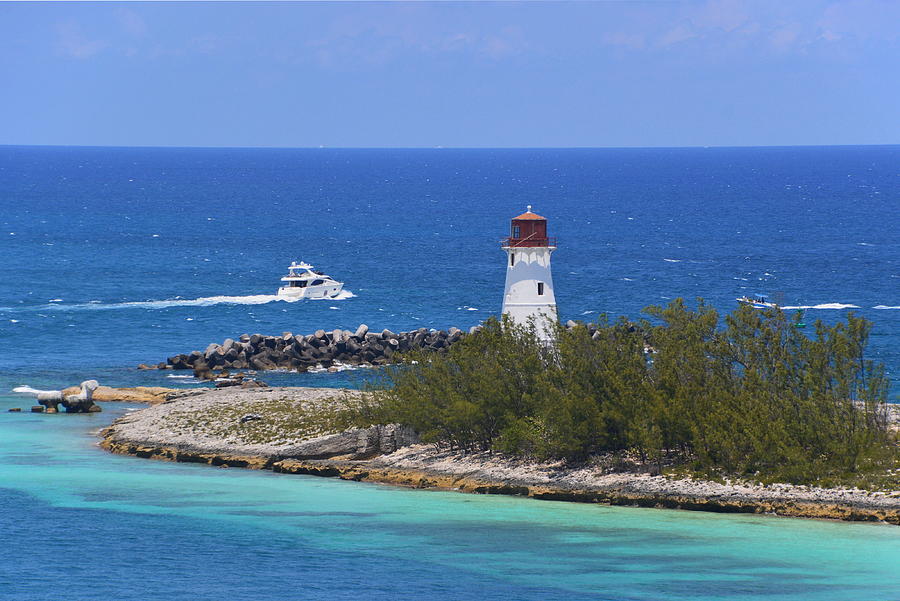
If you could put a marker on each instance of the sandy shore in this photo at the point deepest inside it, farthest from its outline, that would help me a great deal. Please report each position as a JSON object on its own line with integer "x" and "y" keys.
{"x": 259, "y": 428}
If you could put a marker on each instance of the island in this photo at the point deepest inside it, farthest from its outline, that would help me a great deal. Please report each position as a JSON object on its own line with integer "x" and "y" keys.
{"x": 286, "y": 430}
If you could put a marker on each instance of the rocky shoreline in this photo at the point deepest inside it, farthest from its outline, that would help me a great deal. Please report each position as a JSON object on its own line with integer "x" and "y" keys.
{"x": 232, "y": 437}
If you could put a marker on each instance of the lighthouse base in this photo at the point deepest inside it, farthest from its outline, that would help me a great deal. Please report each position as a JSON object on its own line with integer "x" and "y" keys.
{"x": 543, "y": 316}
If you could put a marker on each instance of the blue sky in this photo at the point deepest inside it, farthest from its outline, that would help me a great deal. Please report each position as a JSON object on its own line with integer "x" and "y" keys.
{"x": 469, "y": 74}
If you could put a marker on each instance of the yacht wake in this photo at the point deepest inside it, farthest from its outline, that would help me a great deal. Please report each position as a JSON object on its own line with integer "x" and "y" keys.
{"x": 823, "y": 306}
{"x": 206, "y": 301}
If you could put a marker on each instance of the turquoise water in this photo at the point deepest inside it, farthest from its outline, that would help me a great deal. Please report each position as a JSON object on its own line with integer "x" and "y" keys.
{"x": 85, "y": 524}
{"x": 112, "y": 257}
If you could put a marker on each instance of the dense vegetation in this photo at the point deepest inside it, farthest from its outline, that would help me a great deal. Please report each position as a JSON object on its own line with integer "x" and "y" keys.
{"x": 753, "y": 396}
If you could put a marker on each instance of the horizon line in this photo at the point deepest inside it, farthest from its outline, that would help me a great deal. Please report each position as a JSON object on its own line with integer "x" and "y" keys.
{"x": 439, "y": 147}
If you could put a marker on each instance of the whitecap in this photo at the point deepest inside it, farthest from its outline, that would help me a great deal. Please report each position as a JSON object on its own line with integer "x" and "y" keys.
{"x": 335, "y": 308}
{"x": 55, "y": 300}
{"x": 885, "y": 307}
{"x": 673, "y": 260}
{"x": 13, "y": 321}
{"x": 627, "y": 279}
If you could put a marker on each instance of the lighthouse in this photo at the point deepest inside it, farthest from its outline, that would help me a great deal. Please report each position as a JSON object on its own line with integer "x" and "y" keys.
{"x": 529, "y": 285}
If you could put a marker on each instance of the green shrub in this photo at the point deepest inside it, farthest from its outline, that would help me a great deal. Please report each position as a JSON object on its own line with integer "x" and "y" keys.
{"x": 753, "y": 396}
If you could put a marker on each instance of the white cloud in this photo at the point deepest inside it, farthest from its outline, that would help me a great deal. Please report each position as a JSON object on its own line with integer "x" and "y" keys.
{"x": 72, "y": 41}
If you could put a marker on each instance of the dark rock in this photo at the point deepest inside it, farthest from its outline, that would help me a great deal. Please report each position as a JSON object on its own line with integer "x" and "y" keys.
{"x": 229, "y": 382}
{"x": 15, "y": 409}
{"x": 250, "y": 417}
{"x": 254, "y": 384}
{"x": 261, "y": 361}
{"x": 37, "y": 408}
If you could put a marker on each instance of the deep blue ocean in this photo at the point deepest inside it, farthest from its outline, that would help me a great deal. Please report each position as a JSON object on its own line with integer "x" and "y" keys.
{"x": 110, "y": 257}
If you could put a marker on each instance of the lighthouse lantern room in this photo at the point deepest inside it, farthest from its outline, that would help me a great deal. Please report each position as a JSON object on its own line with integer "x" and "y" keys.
{"x": 529, "y": 285}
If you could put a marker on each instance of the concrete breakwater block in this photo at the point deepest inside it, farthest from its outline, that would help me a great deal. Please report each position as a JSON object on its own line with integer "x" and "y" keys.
{"x": 319, "y": 349}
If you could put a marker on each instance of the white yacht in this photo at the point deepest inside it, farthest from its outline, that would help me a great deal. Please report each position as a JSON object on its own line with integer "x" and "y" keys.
{"x": 302, "y": 282}
{"x": 757, "y": 301}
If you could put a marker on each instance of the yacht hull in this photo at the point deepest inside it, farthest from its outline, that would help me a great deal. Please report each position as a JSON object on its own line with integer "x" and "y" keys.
{"x": 328, "y": 291}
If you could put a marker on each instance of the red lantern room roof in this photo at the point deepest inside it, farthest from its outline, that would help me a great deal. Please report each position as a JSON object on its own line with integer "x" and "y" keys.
{"x": 528, "y": 230}
{"x": 529, "y": 215}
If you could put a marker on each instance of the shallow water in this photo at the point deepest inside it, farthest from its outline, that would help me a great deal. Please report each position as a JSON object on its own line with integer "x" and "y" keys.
{"x": 85, "y": 524}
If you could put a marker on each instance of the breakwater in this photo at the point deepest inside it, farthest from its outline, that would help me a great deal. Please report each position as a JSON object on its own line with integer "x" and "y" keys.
{"x": 320, "y": 349}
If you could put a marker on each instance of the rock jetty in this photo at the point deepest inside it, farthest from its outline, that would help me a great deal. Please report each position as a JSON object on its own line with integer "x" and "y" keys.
{"x": 320, "y": 349}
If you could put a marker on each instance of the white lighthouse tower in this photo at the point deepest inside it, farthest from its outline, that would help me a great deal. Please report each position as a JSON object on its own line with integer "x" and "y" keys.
{"x": 529, "y": 285}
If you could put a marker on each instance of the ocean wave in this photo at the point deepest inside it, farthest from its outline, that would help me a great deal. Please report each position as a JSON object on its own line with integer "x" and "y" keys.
{"x": 885, "y": 307}
{"x": 823, "y": 306}
{"x": 206, "y": 301}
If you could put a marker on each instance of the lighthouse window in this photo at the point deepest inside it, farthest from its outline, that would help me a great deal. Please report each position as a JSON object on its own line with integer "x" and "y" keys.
{"x": 540, "y": 288}
{"x": 516, "y": 231}
{"x": 512, "y": 259}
